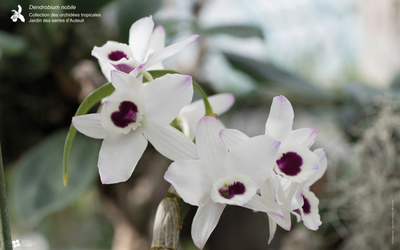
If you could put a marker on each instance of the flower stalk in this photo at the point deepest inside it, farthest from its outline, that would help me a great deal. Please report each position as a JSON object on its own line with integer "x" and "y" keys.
{"x": 6, "y": 242}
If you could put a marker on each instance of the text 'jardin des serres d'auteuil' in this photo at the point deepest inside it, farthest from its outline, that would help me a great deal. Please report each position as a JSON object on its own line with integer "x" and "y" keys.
{"x": 44, "y": 17}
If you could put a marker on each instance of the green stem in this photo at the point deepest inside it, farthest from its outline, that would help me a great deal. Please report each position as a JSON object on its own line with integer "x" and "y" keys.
{"x": 209, "y": 110}
{"x": 6, "y": 242}
{"x": 148, "y": 76}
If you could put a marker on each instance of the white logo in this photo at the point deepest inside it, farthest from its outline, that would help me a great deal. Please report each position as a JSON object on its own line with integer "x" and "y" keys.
{"x": 17, "y": 15}
{"x": 16, "y": 243}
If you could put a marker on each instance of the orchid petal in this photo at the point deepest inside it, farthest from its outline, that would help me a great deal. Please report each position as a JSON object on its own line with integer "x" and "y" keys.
{"x": 125, "y": 83}
{"x": 169, "y": 51}
{"x": 280, "y": 119}
{"x": 232, "y": 137}
{"x": 119, "y": 155}
{"x": 209, "y": 146}
{"x": 106, "y": 69}
{"x": 166, "y": 96}
{"x": 90, "y": 125}
{"x": 309, "y": 211}
{"x": 254, "y": 157}
{"x": 169, "y": 141}
{"x": 272, "y": 229}
{"x": 193, "y": 112}
{"x": 304, "y": 136}
{"x": 139, "y": 37}
{"x": 323, "y": 163}
{"x": 204, "y": 222}
{"x": 157, "y": 39}
{"x": 192, "y": 180}
{"x": 258, "y": 203}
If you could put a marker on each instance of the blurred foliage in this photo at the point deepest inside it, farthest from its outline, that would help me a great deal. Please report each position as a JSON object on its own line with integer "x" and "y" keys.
{"x": 273, "y": 77}
{"x": 37, "y": 189}
{"x": 237, "y": 30}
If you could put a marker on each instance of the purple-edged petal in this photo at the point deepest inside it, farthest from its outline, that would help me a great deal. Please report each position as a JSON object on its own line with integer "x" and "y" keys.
{"x": 304, "y": 136}
{"x": 280, "y": 119}
{"x": 157, "y": 39}
{"x": 192, "y": 113}
{"x": 261, "y": 204}
{"x": 254, "y": 157}
{"x": 232, "y": 137}
{"x": 119, "y": 155}
{"x": 139, "y": 37}
{"x": 166, "y": 96}
{"x": 272, "y": 229}
{"x": 323, "y": 163}
{"x": 169, "y": 141}
{"x": 169, "y": 51}
{"x": 126, "y": 83}
{"x": 204, "y": 222}
{"x": 90, "y": 125}
{"x": 209, "y": 146}
{"x": 192, "y": 180}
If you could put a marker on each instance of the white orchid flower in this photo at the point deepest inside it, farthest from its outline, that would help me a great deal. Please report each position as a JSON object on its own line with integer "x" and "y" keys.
{"x": 146, "y": 50}
{"x": 308, "y": 212}
{"x": 220, "y": 176}
{"x": 191, "y": 114}
{"x": 295, "y": 161}
{"x": 133, "y": 114}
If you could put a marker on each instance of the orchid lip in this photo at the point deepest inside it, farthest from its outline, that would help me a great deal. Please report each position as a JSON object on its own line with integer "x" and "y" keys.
{"x": 290, "y": 163}
{"x": 306, "y": 206}
{"x": 117, "y": 55}
{"x": 228, "y": 191}
{"x": 126, "y": 115}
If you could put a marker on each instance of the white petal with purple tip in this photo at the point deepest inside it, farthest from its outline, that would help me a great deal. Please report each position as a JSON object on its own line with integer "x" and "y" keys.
{"x": 192, "y": 181}
{"x": 209, "y": 146}
{"x": 304, "y": 136}
{"x": 280, "y": 119}
{"x": 232, "y": 137}
{"x": 90, "y": 125}
{"x": 169, "y": 141}
{"x": 169, "y": 51}
{"x": 139, "y": 36}
{"x": 204, "y": 222}
{"x": 166, "y": 96}
{"x": 322, "y": 167}
{"x": 119, "y": 155}
{"x": 257, "y": 154}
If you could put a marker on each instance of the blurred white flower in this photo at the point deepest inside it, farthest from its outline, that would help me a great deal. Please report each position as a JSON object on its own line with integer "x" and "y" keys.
{"x": 146, "y": 50}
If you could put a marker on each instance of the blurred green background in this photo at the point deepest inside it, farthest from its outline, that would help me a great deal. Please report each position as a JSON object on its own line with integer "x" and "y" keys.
{"x": 336, "y": 61}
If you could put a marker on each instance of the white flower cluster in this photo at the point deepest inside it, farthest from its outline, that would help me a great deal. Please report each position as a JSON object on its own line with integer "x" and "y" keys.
{"x": 269, "y": 173}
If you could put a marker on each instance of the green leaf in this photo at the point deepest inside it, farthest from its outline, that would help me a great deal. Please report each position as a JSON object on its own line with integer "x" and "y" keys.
{"x": 12, "y": 45}
{"x": 36, "y": 191}
{"x": 271, "y": 76}
{"x": 85, "y": 106}
{"x": 236, "y": 30}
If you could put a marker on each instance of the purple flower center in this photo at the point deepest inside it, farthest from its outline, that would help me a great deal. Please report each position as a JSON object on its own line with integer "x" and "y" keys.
{"x": 229, "y": 191}
{"x": 117, "y": 55}
{"x": 290, "y": 163}
{"x": 306, "y": 206}
{"x": 126, "y": 114}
